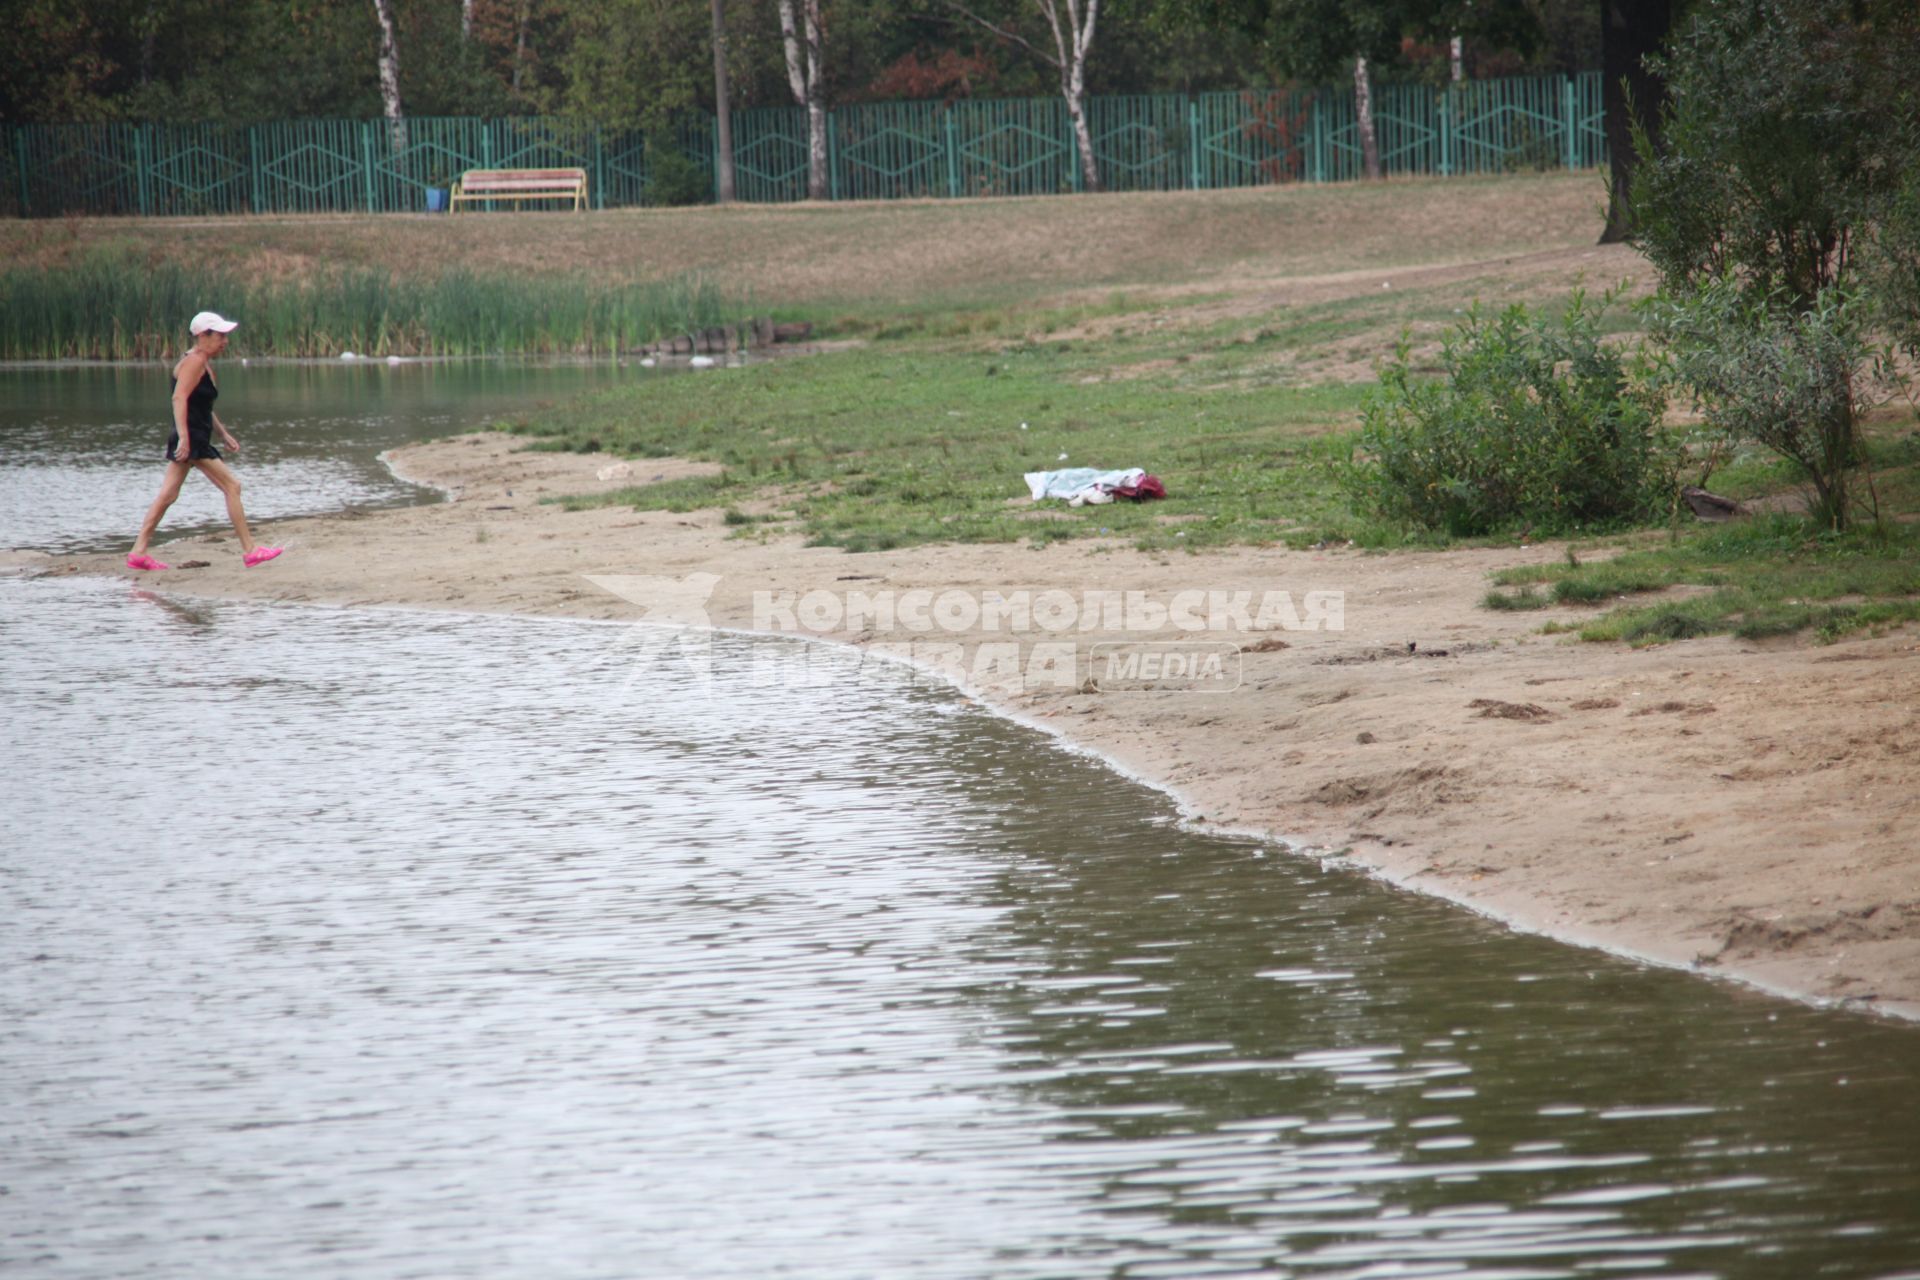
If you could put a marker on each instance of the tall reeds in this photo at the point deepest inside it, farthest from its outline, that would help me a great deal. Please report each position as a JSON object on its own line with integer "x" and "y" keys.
{"x": 115, "y": 306}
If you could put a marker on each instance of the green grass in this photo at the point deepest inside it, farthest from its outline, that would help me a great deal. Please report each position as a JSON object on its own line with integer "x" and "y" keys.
{"x": 916, "y": 439}
{"x": 1764, "y": 577}
{"x": 113, "y": 306}
{"x": 1514, "y": 601}
{"x": 900, "y": 444}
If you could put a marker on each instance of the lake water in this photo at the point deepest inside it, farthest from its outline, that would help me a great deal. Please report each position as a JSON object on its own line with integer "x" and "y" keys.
{"x": 383, "y": 944}
{"x": 84, "y": 446}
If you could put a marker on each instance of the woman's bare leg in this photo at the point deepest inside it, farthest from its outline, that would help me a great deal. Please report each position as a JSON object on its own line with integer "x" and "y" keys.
{"x": 169, "y": 491}
{"x": 222, "y": 475}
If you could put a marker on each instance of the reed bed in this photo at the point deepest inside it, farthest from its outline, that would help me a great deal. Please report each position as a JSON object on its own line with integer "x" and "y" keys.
{"x": 120, "y": 307}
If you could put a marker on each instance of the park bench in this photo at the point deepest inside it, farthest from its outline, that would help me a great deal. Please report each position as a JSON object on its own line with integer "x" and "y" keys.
{"x": 521, "y": 184}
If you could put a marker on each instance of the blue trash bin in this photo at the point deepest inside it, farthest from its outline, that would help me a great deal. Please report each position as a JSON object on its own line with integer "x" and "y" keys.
{"x": 436, "y": 199}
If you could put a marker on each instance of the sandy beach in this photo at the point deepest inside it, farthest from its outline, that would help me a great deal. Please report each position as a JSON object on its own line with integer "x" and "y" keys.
{"x": 1747, "y": 810}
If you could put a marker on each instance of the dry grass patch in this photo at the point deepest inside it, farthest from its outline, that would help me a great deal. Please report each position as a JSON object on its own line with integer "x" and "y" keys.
{"x": 905, "y": 252}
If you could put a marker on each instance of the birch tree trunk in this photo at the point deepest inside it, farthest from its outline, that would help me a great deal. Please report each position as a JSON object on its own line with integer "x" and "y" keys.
{"x": 806, "y": 61}
{"x": 1457, "y": 51}
{"x": 520, "y": 46}
{"x": 1071, "y": 44}
{"x": 390, "y": 76}
{"x": 722, "y": 108}
{"x": 817, "y": 187}
{"x": 1363, "y": 114}
{"x": 466, "y": 19}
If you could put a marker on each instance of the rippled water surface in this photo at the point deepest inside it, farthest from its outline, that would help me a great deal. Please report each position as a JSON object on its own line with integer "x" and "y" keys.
{"x": 392, "y": 945}
{"x": 82, "y": 447}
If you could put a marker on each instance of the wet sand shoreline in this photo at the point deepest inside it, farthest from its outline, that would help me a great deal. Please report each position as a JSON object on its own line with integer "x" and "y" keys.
{"x": 1745, "y": 810}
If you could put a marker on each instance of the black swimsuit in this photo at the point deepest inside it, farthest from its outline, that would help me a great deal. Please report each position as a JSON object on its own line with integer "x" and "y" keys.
{"x": 199, "y": 421}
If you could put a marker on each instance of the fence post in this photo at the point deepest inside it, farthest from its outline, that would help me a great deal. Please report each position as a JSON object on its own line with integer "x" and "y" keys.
{"x": 253, "y": 165}
{"x": 599, "y": 171}
{"x": 1319, "y": 140}
{"x": 1193, "y": 144}
{"x": 833, "y": 157}
{"x": 953, "y": 154}
{"x": 140, "y": 166}
{"x": 1446, "y": 132}
{"x": 1572, "y": 118}
{"x": 366, "y": 158}
{"x": 20, "y": 156}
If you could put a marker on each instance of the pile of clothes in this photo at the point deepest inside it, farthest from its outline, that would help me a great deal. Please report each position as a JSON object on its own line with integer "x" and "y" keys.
{"x": 1083, "y": 485}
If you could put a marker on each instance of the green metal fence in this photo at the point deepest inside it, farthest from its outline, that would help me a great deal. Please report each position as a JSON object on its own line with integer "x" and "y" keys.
{"x": 876, "y": 151}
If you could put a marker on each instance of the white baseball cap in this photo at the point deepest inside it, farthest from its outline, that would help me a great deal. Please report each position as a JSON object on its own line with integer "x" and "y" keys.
{"x": 211, "y": 320}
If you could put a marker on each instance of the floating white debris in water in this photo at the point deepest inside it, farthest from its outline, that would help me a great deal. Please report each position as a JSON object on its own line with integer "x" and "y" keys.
{"x": 394, "y": 360}
{"x": 647, "y": 363}
{"x": 348, "y": 355}
{"x": 701, "y": 362}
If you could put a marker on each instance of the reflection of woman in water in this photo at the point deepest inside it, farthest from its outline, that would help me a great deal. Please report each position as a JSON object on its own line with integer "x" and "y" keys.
{"x": 194, "y": 421}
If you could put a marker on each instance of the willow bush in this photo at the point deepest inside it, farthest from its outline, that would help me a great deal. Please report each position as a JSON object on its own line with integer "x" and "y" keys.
{"x": 1537, "y": 424}
{"x": 1781, "y": 208}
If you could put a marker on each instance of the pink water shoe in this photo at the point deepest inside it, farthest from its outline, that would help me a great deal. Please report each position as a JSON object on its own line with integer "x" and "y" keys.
{"x": 260, "y": 555}
{"x": 144, "y": 563}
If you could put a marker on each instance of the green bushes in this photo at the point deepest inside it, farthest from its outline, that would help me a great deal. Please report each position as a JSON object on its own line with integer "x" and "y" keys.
{"x": 673, "y": 179}
{"x": 1783, "y": 377}
{"x": 115, "y": 306}
{"x": 1536, "y": 424}
{"x": 1782, "y": 210}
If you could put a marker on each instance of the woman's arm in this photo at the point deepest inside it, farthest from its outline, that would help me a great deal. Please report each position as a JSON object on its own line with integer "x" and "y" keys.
{"x": 226, "y": 436}
{"x": 186, "y": 376}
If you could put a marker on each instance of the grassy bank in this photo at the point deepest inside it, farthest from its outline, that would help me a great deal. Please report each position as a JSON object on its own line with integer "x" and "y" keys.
{"x": 892, "y": 258}
{"x": 115, "y": 306}
{"x": 922, "y": 434}
{"x": 1244, "y": 396}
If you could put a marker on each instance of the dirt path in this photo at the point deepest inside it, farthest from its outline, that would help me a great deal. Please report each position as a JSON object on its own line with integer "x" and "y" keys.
{"x": 1750, "y": 810}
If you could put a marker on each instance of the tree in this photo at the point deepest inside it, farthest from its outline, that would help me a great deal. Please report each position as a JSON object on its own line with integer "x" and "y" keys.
{"x": 1315, "y": 40}
{"x": 54, "y": 65}
{"x": 1784, "y": 163}
{"x": 1072, "y": 43}
{"x": 804, "y": 75}
{"x": 390, "y": 76}
{"x": 1632, "y": 94}
{"x": 1363, "y": 120}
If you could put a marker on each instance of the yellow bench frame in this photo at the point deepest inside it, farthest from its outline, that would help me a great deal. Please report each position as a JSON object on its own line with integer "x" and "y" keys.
{"x": 520, "y": 184}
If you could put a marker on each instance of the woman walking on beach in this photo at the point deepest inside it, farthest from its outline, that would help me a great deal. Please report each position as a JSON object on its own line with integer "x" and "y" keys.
{"x": 191, "y": 443}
